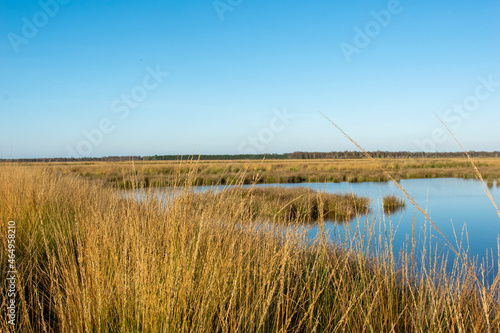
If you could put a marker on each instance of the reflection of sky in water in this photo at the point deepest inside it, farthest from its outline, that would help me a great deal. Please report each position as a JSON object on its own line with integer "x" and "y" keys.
{"x": 446, "y": 200}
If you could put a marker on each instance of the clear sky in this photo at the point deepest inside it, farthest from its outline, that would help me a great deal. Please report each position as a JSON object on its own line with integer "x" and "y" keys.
{"x": 99, "y": 78}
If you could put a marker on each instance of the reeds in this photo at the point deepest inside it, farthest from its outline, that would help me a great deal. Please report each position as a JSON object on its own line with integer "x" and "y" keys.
{"x": 90, "y": 259}
{"x": 392, "y": 203}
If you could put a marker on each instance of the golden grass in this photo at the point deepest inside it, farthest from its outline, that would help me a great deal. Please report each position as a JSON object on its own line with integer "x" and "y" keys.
{"x": 89, "y": 259}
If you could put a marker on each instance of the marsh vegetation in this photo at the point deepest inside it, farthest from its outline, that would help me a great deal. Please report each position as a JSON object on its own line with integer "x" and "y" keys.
{"x": 164, "y": 173}
{"x": 286, "y": 205}
{"x": 393, "y": 203}
{"x": 91, "y": 260}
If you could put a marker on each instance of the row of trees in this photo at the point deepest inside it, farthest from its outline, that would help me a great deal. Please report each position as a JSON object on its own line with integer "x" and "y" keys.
{"x": 71, "y": 159}
{"x": 386, "y": 154}
{"x": 222, "y": 157}
{"x": 295, "y": 155}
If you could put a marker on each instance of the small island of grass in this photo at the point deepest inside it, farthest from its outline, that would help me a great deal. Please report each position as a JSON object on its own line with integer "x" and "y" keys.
{"x": 287, "y": 205}
{"x": 393, "y": 203}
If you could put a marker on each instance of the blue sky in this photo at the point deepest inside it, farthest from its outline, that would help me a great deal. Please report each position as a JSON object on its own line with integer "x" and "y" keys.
{"x": 76, "y": 76}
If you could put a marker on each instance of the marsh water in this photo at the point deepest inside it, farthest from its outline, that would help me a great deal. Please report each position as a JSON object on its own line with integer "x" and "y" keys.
{"x": 451, "y": 203}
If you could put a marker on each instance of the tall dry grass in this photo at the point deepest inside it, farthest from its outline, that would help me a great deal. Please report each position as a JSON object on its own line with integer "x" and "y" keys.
{"x": 90, "y": 259}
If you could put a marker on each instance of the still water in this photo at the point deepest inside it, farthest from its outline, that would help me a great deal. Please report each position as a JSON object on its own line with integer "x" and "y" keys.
{"x": 449, "y": 202}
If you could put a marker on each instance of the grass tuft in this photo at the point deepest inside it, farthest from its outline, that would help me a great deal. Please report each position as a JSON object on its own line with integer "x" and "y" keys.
{"x": 392, "y": 203}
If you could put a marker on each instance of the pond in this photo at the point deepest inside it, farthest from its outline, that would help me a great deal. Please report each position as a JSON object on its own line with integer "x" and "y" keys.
{"x": 451, "y": 203}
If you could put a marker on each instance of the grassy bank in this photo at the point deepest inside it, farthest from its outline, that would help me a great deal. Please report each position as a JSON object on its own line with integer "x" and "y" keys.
{"x": 164, "y": 173}
{"x": 286, "y": 205}
{"x": 91, "y": 260}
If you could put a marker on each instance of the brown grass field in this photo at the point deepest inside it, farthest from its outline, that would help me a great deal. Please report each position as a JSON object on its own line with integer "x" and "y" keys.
{"x": 164, "y": 173}
{"x": 92, "y": 260}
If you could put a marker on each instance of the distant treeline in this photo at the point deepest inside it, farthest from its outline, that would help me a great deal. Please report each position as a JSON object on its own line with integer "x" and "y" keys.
{"x": 222, "y": 157}
{"x": 153, "y": 158}
{"x": 295, "y": 155}
{"x": 71, "y": 159}
{"x": 385, "y": 154}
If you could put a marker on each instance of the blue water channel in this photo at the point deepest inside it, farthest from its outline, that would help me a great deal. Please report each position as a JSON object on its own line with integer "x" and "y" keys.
{"x": 451, "y": 203}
